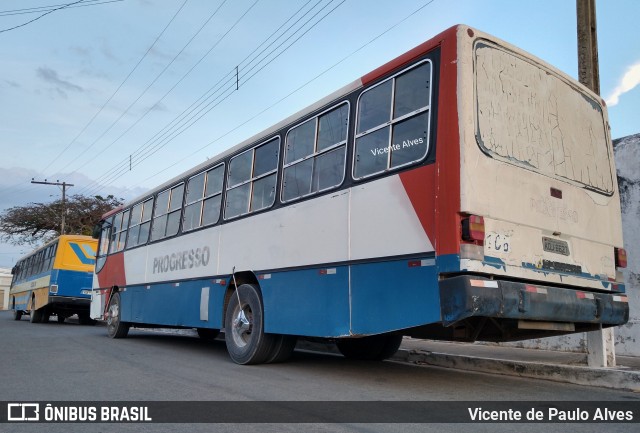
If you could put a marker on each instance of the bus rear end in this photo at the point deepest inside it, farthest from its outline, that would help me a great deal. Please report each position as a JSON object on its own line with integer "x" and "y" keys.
{"x": 538, "y": 237}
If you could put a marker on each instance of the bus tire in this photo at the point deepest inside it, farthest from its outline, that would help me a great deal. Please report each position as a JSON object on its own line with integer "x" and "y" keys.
{"x": 371, "y": 348}
{"x": 17, "y": 314}
{"x": 282, "y": 349}
{"x": 245, "y": 338}
{"x": 46, "y": 314}
{"x": 116, "y": 328}
{"x": 207, "y": 334}
{"x": 35, "y": 315}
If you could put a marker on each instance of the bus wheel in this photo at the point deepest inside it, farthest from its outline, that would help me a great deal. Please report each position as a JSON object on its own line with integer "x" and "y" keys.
{"x": 115, "y": 327}
{"x": 17, "y": 314}
{"x": 282, "y": 349}
{"x": 46, "y": 314}
{"x": 372, "y": 348}
{"x": 244, "y": 327}
{"x": 208, "y": 334}
{"x": 36, "y": 315}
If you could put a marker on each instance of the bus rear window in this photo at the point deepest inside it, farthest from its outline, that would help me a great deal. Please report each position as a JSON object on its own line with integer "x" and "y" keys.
{"x": 530, "y": 117}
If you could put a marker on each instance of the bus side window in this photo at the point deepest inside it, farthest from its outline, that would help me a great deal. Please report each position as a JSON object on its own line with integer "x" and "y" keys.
{"x": 393, "y": 122}
{"x": 315, "y": 154}
{"x": 204, "y": 193}
{"x": 166, "y": 219}
{"x": 252, "y": 179}
{"x": 140, "y": 223}
{"x": 119, "y": 231}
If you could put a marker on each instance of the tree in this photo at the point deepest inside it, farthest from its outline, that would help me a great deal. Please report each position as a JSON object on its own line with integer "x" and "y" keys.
{"x": 37, "y": 223}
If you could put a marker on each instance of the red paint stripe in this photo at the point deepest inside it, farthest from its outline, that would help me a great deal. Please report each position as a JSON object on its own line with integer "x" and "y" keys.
{"x": 419, "y": 185}
{"x": 112, "y": 273}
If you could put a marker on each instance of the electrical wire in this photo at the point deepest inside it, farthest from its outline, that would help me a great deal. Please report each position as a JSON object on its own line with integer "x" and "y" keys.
{"x": 291, "y": 93}
{"x": 218, "y": 87}
{"x": 219, "y": 99}
{"x": 51, "y": 8}
{"x": 44, "y": 14}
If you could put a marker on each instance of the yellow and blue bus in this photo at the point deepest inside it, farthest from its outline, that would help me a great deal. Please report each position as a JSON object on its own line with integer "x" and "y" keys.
{"x": 55, "y": 279}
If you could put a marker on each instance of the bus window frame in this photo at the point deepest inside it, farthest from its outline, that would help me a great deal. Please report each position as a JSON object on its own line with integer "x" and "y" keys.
{"x": 142, "y": 221}
{"x": 252, "y": 179}
{"x": 204, "y": 197}
{"x": 522, "y": 164}
{"x": 316, "y": 153}
{"x": 429, "y": 109}
{"x": 168, "y": 211}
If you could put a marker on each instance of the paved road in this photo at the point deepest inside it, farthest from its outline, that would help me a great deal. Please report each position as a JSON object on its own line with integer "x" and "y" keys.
{"x": 53, "y": 362}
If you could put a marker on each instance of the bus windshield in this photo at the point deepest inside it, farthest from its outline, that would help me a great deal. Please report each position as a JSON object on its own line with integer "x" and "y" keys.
{"x": 533, "y": 118}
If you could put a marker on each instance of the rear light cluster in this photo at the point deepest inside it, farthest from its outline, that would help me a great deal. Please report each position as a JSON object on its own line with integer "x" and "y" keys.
{"x": 473, "y": 229}
{"x": 621, "y": 257}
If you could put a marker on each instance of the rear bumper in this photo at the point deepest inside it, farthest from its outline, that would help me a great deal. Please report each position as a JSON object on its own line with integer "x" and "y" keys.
{"x": 69, "y": 301}
{"x": 463, "y": 297}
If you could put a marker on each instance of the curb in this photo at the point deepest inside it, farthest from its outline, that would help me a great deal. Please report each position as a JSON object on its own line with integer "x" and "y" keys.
{"x": 613, "y": 378}
{"x": 619, "y": 378}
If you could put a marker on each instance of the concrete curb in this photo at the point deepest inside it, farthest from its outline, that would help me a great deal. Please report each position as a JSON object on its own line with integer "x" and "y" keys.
{"x": 620, "y": 378}
{"x": 614, "y": 378}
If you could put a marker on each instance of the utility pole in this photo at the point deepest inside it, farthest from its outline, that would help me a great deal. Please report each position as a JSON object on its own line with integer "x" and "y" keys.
{"x": 601, "y": 343}
{"x": 588, "y": 70}
{"x": 64, "y": 186}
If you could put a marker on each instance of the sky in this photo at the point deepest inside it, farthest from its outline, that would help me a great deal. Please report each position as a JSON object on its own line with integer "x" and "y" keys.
{"x": 118, "y": 96}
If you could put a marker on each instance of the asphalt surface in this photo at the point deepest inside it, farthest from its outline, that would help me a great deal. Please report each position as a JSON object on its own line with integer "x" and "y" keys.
{"x": 68, "y": 362}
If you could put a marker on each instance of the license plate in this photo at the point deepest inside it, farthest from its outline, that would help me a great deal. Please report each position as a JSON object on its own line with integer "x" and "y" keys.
{"x": 555, "y": 246}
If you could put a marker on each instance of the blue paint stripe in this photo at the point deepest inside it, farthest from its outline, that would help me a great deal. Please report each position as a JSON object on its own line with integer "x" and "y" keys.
{"x": 81, "y": 254}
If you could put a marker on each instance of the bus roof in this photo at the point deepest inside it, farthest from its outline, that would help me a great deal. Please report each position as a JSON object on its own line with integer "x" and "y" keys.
{"x": 63, "y": 237}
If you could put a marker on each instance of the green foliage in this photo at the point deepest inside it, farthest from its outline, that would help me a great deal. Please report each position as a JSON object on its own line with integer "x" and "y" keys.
{"x": 37, "y": 223}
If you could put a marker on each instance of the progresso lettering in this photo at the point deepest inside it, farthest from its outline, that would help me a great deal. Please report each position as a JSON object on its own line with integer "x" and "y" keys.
{"x": 187, "y": 259}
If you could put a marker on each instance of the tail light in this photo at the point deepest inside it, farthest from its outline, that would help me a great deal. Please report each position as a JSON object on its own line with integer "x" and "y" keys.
{"x": 473, "y": 228}
{"x": 621, "y": 257}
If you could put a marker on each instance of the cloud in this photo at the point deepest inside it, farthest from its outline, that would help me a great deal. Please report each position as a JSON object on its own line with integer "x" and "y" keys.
{"x": 51, "y": 76}
{"x": 629, "y": 81}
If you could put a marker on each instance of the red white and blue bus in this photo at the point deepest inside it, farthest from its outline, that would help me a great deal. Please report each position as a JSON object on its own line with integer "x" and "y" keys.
{"x": 465, "y": 190}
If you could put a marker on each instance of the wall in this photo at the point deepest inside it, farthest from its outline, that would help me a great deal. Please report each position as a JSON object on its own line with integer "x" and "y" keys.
{"x": 5, "y": 282}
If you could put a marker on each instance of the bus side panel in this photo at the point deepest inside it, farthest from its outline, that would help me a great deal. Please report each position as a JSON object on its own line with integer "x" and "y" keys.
{"x": 42, "y": 298}
{"x": 311, "y": 302}
{"x": 394, "y": 295}
{"x": 174, "y": 304}
{"x": 21, "y": 301}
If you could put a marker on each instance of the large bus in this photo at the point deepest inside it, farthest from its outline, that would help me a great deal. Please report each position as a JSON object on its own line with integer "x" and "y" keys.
{"x": 465, "y": 190}
{"x": 55, "y": 280}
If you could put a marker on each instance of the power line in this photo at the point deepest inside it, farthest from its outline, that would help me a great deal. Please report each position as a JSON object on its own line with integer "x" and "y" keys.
{"x": 148, "y": 86}
{"x": 44, "y": 14}
{"x": 210, "y": 106}
{"x": 175, "y": 85}
{"x": 294, "y": 91}
{"x": 222, "y": 95}
{"x": 119, "y": 87}
{"x": 51, "y": 8}
{"x": 28, "y": 186}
